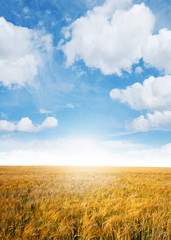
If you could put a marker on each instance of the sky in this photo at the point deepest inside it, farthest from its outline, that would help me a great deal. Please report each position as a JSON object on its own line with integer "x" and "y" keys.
{"x": 85, "y": 82}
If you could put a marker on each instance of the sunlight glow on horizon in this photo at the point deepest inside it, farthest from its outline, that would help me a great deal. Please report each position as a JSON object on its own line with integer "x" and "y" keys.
{"x": 86, "y": 152}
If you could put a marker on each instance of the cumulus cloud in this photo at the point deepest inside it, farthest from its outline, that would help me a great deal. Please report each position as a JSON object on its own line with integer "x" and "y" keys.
{"x": 26, "y": 125}
{"x": 116, "y": 35}
{"x": 153, "y": 94}
{"x": 49, "y": 122}
{"x": 109, "y": 38}
{"x": 152, "y": 121}
{"x": 157, "y": 51}
{"x": 81, "y": 151}
{"x": 21, "y": 53}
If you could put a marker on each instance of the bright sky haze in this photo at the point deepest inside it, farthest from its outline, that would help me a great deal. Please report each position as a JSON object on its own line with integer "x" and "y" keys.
{"x": 85, "y": 82}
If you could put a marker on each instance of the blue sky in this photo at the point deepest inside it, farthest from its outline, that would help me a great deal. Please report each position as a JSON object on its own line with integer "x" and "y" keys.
{"x": 85, "y": 78}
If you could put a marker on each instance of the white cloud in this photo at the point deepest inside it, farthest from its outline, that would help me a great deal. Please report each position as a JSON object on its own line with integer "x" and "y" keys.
{"x": 44, "y": 111}
{"x": 7, "y": 126}
{"x": 19, "y": 71}
{"x": 153, "y": 94}
{"x": 152, "y": 121}
{"x": 49, "y": 122}
{"x": 157, "y": 51}
{"x": 26, "y": 125}
{"x": 109, "y": 38}
{"x": 114, "y": 36}
{"x": 138, "y": 70}
{"x": 81, "y": 151}
{"x": 21, "y": 53}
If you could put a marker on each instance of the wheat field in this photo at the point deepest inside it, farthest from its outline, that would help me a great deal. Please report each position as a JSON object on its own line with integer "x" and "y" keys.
{"x": 85, "y": 203}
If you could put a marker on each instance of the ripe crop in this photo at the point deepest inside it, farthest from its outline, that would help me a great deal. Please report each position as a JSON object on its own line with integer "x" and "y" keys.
{"x": 112, "y": 203}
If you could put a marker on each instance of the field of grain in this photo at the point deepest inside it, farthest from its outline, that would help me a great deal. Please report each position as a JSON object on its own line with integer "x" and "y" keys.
{"x": 85, "y": 203}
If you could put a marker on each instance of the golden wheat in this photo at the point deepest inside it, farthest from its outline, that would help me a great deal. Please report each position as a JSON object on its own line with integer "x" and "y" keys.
{"x": 85, "y": 203}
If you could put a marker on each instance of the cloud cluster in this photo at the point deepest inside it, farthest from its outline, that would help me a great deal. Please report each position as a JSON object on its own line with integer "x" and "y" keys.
{"x": 112, "y": 38}
{"x": 152, "y": 121}
{"x": 26, "y": 125}
{"x": 153, "y": 95}
{"x": 80, "y": 151}
{"x": 116, "y": 35}
{"x": 21, "y": 53}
